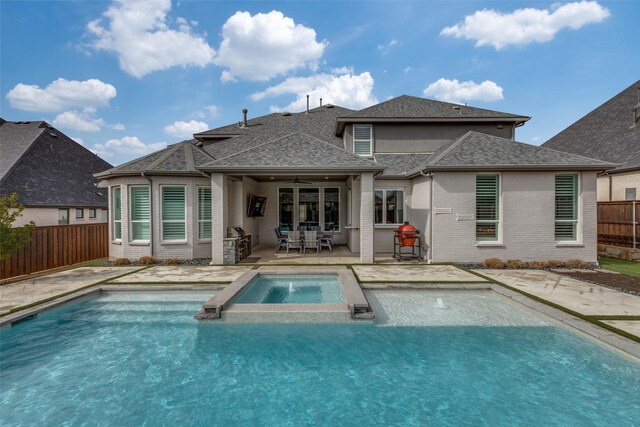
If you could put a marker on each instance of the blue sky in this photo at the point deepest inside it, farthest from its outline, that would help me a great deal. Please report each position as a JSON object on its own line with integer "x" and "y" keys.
{"x": 128, "y": 78}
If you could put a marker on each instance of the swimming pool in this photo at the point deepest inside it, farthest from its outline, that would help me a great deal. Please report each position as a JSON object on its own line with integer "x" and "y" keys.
{"x": 292, "y": 289}
{"x": 437, "y": 358}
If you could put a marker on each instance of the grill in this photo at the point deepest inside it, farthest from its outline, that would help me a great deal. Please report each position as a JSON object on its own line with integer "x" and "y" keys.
{"x": 242, "y": 244}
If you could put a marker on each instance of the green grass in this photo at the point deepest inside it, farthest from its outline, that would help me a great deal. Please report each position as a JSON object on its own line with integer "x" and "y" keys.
{"x": 621, "y": 266}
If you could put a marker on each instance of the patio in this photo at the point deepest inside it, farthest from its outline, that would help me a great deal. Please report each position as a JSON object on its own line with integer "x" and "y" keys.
{"x": 266, "y": 254}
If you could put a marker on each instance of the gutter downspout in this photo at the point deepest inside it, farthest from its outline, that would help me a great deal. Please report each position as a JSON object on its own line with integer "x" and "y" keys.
{"x": 150, "y": 211}
{"x": 429, "y": 175}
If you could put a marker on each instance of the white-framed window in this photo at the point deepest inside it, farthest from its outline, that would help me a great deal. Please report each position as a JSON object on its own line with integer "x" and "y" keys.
{"x": 174, "y": 212}
{"x": 140, "y": 213}
{"x": 566, "y": 207}
{"x": 92, "y": 214}
{"x": 389, "y": 206}
{"x": 363, "y": 140}
{"x": 116, "y": 208}
{"x": 487, "y": 207}
{"x": 63, "y": 216}
{"x": 204, "y": 213}
{"x": 79, "y": 213}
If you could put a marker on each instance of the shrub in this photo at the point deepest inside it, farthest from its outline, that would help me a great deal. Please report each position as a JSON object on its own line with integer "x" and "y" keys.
{"x": 556, "y": 264}
{"x": 515, "y": 263}
{"x": 12, "y": 239}
{"x": 147, "y": 260}
{"x": 577, "y": 263}
{"x": 538, "y": 264}
{"x": 121, "y": 261}
{"x": 493, "y": 263}
{"x": 171, "y": 261}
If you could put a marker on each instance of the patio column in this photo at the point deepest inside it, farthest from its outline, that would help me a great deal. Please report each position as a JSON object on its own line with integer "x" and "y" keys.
{"x": 366, "y": 218}
{"x": 218, "y": 232}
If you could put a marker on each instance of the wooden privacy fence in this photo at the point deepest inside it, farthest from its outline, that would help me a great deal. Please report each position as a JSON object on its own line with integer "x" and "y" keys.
{"x": 619, "y": 223}
{"x": 58, "y": 246}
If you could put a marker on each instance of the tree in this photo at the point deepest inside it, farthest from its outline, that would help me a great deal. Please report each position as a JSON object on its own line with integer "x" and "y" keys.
{"x": 12, "y": 239}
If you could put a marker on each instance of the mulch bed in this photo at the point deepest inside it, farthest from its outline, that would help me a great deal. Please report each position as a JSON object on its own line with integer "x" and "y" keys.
{"x": 620, "y": 282}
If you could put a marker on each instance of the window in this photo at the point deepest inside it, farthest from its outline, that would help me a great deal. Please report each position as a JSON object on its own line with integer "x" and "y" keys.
{"x": 566, "y": 207}
{"x": 204, "y": 213}
{"x": 487, "y": 207}
{"x": 92, "y": 214}
{"x": 79, "y": 213}
{"x": 140, "y": 212}
{"x": 104, "y": 215}
{"x": 285, "y": 208}
{"x": 331, "y": 209}
{"x": 363, "y": 140}
{"x": 629, "y": 193}
{"x": 309, "y": 207}
{"x": 63, "y": 216}
{"x": 389, "y": 207}
{"x": 116, "y": 204}
{"x": 173, "y": 213}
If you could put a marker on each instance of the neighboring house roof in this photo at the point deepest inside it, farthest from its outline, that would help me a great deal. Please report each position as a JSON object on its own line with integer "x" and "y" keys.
{"x": 606, "y": 133}
{"x": 182, "y": 158}
{"x": 479, "y": 151}
{"x": 47, "y": 168}
{"x": 413, "y": 109}
{"x": 293, "y": 153}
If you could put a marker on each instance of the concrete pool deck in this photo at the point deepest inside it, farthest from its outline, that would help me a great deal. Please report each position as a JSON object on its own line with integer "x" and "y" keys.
{"x": 607, "y": 306}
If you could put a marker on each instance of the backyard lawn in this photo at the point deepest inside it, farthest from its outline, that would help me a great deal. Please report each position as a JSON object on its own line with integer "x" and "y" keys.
{"x": 621, "y": 266}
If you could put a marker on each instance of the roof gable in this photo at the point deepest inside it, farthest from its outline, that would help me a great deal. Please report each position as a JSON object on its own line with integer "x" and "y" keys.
{"x": 606, "y": 133}
{"x": 15, "y": 140}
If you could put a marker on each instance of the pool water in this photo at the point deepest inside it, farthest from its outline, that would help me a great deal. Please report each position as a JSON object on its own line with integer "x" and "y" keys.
{"x": 141, "y": 359}
{"x": 292, "y": 289}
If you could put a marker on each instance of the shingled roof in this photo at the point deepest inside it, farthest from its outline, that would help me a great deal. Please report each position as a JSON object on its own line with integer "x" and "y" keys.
{"x": 47, "y": 168}
{"x": 294, "y": 152}
{"x": 478, "y": 151}
{"x": 182, "y": 158}
{"x": 606, "y": 133}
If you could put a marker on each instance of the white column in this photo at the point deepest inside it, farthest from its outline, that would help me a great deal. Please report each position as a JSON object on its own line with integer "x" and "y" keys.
{"x": 366, "y": 218}
{"x": 218, "y": 232}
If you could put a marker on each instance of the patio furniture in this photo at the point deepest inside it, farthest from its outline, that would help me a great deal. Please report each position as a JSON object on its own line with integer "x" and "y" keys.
{"x": 281, "y": 239}
{"x": 327, "y": 240}
{"x": 311, "y": 241}
{"x": 294, "y": 242}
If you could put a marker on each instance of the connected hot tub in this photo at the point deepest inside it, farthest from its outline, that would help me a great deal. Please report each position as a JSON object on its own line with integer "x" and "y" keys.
{"x": 290, "y": 295}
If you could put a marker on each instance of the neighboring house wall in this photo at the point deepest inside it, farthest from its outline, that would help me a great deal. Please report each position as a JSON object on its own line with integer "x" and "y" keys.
{"x": 527, "y": 219}
{"x": 618, "y": 183}
{"x": 422, "y": 138}
{"x": 49, "y": 216}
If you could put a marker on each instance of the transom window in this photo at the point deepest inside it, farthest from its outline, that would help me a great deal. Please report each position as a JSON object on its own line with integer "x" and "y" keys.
{"x": 173, "y": 213}
{"x": 487, "y": 207}
{"x": 116, "y": 206}
{"x": 363, "y": 140}
{"x": 566, "y": 208}
{"x": 140, "y": 212}
{"x": 389, "y": 206}
{"x": 204, "y": 213}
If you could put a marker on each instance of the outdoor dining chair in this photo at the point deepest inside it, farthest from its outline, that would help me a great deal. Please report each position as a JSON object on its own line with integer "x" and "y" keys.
{"x": 281, "y": 239}
{"x": 294, "y": 242}
{"x": 311, "y": 241}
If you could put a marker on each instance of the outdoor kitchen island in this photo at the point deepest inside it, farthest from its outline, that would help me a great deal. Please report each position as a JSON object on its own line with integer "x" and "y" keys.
{"x": 237, "y": 245}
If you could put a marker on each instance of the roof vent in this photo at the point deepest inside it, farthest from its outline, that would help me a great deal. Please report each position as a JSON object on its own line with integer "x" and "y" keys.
{"x": 307, "y": 104}
{"x": 321, "y": 102}
{"x": 53, "y": 134}
{"x": 244, "y": 118}
{"x": 286, "y": 113}
{"x": 458, "y": 108}
{"x": 328, "y": 106}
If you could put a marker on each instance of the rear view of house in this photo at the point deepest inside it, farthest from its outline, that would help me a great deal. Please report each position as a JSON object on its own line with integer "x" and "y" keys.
{"x": 52, "y": 174}
{"x": 455, "y": 172}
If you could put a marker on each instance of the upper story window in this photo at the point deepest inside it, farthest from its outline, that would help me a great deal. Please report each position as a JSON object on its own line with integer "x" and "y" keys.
{"x": 92, "y": 214}
{"x": 79, "y": 213}
{"x": 63, "y": 216}
{"x": 566, "y": 227}
{"x": 487, "y": 207}
{"x": 363, "y": 140}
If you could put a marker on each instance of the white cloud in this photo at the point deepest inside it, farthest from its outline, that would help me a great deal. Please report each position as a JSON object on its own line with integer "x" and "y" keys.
{"x": 118, "y": 126}
{"x": 78, "y": 140}
{"x": 61, "y": 94}
{"x": 342, "y": 70}
{"x": 182, "y": 129}
{"x": 524, "y": 26}
{"x": 138, "y": 32}
{"x": 266, "y": 45}
{"x": 386, "y": 47}
{"x": 351, "y": 91}
{"x": 212, "y": 110}
{"x": 83, "y": 121}
{"x": 128, "y": 145}
{"x": 458, "y": 92}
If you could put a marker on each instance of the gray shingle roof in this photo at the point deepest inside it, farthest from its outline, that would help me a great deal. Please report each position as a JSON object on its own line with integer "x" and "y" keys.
{"x": 476, "y": 150}
{"x": 401, "y": 164}
{"x": 47, "y": 168}
{"x": 606, "y": 133}
{"x": 295, "y": 151}
{"x": 182, "y": 158}
{"x": 406, "y": 106}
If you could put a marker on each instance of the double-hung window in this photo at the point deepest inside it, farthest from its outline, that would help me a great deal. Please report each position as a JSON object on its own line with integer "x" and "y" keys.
{"x": 139, "y": 201}
{"x": 389, "y": 207}
{"x": 116, "y": 208}
{"x": 204, "y": 213}
{"x": 363, "y": 140}
{"x": 487, "y": 207}
{"x": 173, "y": 213}
{"x": 566, "y": 210}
